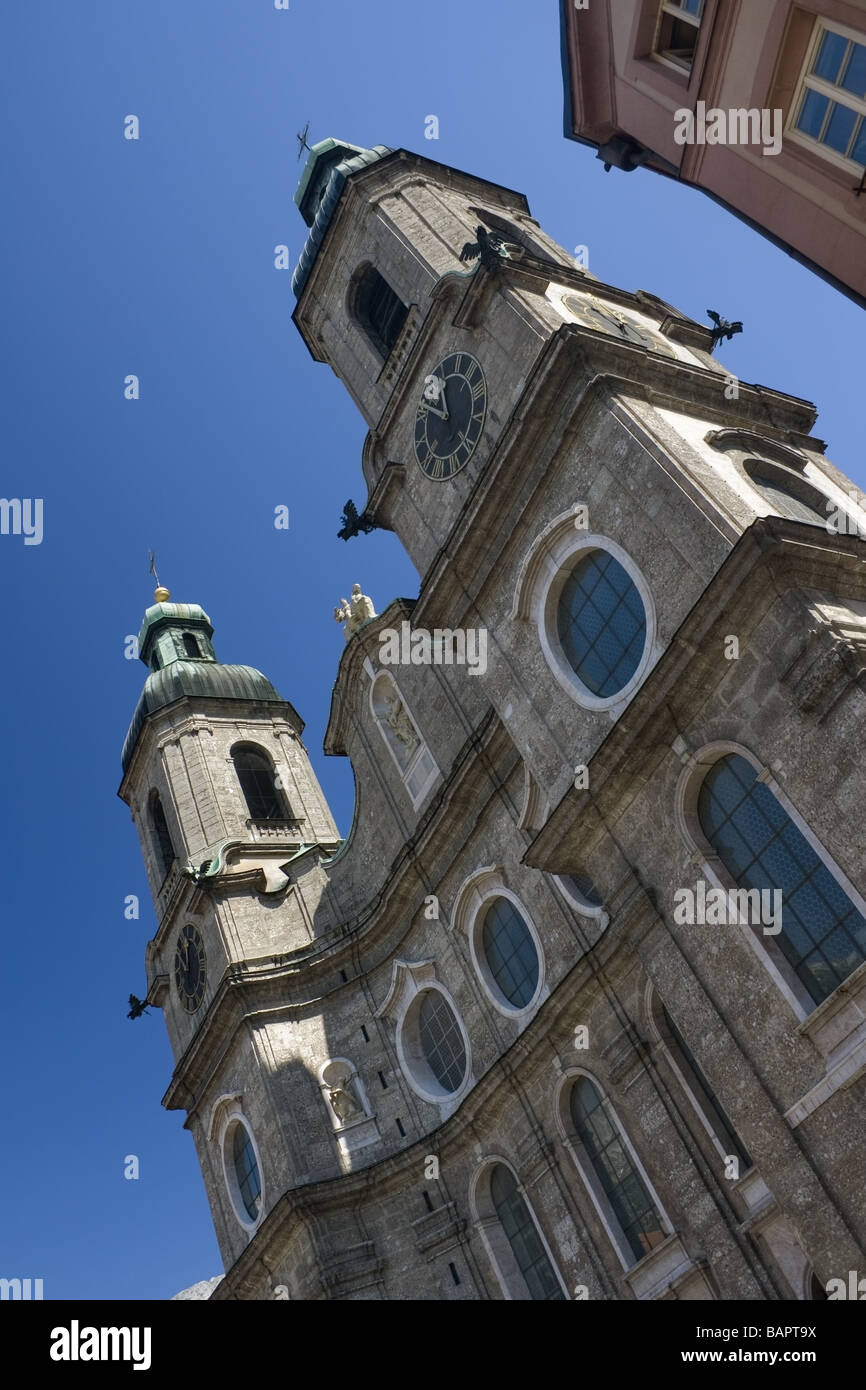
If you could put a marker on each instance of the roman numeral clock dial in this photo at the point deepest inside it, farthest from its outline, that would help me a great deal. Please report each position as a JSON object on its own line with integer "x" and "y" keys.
{"x": 450, "y": 416}
{"x": 190, "y": 968}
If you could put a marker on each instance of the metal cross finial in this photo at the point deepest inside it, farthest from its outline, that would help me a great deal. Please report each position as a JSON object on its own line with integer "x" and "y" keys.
{"x": 302, "y": 140}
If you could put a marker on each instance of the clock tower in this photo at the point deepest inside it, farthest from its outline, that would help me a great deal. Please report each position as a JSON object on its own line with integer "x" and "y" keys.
{"x": 234, "y": 831}
{"x": 480, "y": 1049}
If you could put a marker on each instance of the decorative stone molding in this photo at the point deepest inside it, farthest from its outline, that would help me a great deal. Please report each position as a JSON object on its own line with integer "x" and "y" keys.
{"x": 750, "y": 442}
{"x": 474, "y": 896}
{"x": 438, "y": 1231}
{"x": 350, "y": 1270}
{"x": 832, "y": 658}
{"x": 401, "y": 349}
{"x": 410, "y": 980}
{"x": 533, "y": 812}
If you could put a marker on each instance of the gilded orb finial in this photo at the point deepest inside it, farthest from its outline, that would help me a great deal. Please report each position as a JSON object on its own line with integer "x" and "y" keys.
{"x": 161, "y": 595}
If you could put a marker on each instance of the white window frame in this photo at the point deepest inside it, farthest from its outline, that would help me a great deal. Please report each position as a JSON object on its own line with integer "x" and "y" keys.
{"x": 234, "y": 1115}
{"x": 503, "y": 1261}
{"x": 578, "y": 902}
{"x": 470, "y": 909}
{"x": 543, "y": 575}
{"x": 808, "y": 82}
{"x": 672, "y": 8}
{"x": 409, "y": 979}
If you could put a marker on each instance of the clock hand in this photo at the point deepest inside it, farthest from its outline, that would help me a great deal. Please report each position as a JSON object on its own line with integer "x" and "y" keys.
{"x": 434, "y": 389}
{"x": 443, "y": 399}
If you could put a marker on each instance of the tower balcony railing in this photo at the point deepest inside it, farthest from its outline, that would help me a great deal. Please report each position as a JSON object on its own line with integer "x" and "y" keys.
{"x": 284, "y": 828}
{"x": 170, "y": 885}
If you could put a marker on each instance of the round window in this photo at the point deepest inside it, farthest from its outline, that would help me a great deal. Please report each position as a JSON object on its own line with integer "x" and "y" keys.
{"x": 433, "y": 1045}
{"x": 601, "y": 623}
{"x": 242, "y": 1156}
{"x": 510, "y": 953}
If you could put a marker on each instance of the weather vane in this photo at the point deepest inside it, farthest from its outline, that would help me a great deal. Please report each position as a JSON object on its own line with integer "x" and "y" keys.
{"x": 152, "y": 570}
{"x": 302, "y": 140}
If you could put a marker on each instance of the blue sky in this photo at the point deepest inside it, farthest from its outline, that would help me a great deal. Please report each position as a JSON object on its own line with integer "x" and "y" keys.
{"x": 155, "y": 257}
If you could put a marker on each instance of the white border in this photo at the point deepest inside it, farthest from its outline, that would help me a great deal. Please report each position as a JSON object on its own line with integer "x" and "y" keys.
{"x": 234, "y": 1114}
{"x": 543, "y": 575}
{"x": 577, "y": 902}
{"x": 474, "y": 896}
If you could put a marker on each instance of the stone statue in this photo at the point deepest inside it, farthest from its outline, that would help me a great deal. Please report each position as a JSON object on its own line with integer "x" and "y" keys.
{"x": 398, "y": 720}
{"x": 343, "y": 1102}
{"x": 355, "y": 612}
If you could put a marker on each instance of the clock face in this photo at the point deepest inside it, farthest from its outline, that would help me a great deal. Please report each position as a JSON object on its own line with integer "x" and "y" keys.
{"x": 450, "y": 415}
{"x": 189, "y": 968}
{"x": 604, "y": 317}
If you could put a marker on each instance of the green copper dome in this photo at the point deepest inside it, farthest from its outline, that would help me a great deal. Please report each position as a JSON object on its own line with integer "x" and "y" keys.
{"x": 330, "y": 165}
{"x": 175, "y": 641}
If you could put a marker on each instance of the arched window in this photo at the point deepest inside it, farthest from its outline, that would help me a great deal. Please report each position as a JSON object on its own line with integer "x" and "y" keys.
{"x": 190, "y": 645}
{"x": 163, "y": 847}
{"x": 601, "y": 623}
{"x": 823, "y": 935}
{"x": 788, "y": 494}
{"x": 520, "y": 1229}
{"x": 614, "y": 1169}
{"x": 510, "y": 953}
{"x": 380, "y": 312}
{"x": 255, "y": 772}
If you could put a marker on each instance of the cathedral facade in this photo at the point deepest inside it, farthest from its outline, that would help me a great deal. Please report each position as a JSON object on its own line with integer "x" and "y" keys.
{"x": 578, "y": 1008}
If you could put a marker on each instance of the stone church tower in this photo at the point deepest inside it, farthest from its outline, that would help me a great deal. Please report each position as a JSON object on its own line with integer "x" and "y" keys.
{"x": 577, "y": 1009}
